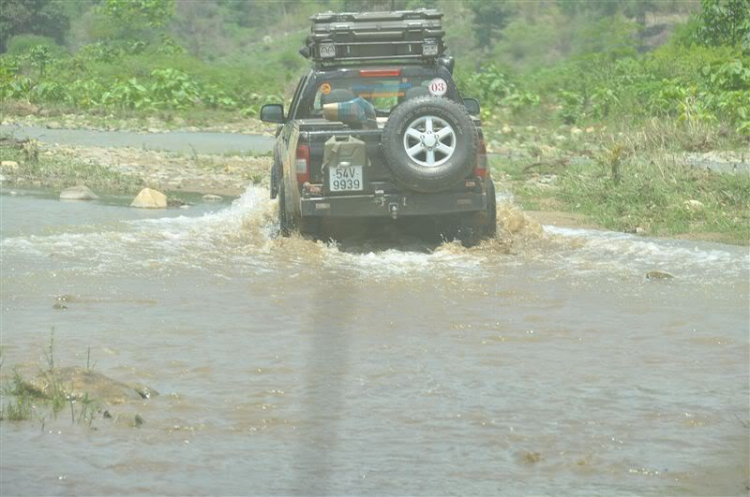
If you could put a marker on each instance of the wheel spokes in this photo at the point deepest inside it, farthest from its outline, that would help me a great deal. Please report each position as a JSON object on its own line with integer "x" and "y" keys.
{"x": 429, "y": 141}
{"x": 415, "y": 150}
{"x": 444, "y": 149}
{"x": 413, "y": 133}
{"x": 430, "y": 157}
{"x": 446, "y": 131}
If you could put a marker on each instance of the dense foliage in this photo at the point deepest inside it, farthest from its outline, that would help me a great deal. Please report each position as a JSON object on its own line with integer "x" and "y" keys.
{"x": 701, "y": 75}
{"x": 568, "y": 61}
{"x": 41, "y": 17}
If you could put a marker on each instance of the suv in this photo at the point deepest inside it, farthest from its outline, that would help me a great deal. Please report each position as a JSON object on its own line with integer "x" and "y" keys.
{"x": 377, "y": 128}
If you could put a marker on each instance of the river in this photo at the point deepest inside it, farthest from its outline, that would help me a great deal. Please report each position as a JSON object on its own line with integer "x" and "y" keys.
{"x": 532, "y": 364}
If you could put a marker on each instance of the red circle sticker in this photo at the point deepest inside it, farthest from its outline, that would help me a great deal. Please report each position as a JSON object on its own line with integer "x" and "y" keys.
{"x": 325, "y": 88}
{"x": 438, "y": 87}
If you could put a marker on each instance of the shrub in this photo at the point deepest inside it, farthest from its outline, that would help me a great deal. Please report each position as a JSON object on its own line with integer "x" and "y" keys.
{"x": 23, "y": 44}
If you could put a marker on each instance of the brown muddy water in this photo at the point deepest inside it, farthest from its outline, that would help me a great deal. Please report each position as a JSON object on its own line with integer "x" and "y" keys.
{"x": 533, "y": 364}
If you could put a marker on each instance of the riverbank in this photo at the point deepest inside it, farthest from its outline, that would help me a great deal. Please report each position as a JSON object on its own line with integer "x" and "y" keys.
{"x": 662, "y": 180}
{"x": 577, "y": 179}
{"x": 684, "y": 203}
{"x": 30, "y": 163}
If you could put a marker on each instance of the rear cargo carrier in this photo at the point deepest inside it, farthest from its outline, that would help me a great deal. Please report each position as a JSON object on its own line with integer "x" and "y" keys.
{"x": 408, "y": 35}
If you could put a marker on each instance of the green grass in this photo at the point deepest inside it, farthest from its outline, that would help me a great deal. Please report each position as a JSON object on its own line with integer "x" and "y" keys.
{"x": 21, "y": 407}
{"x": 661, "y": 197}
{"x": 40, "y": 170}
{"x": 25, "y": 402}
{"x": 637, "y": 182}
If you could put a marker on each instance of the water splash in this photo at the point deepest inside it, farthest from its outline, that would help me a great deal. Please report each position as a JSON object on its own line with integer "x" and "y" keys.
{"x": 244, "y": 239}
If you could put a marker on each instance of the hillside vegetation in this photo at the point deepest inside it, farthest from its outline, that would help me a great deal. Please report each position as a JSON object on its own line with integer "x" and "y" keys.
{"x": 566, "y": 62}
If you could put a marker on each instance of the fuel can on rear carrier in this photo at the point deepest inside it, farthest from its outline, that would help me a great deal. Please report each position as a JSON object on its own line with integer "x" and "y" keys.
{"x": 344, "y": 165}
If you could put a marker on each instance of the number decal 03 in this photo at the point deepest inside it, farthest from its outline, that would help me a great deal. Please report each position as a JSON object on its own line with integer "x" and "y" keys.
{"x": 438, "y": 87}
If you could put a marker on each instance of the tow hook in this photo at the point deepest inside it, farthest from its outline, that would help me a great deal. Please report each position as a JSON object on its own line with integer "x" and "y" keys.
{"x": 393, "y": 209}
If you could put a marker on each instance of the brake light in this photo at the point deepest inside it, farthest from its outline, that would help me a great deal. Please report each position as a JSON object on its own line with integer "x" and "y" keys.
{"x": 302, "y": 164}
{"x": 379, "y": 73}
{"x": 481, "y": 167}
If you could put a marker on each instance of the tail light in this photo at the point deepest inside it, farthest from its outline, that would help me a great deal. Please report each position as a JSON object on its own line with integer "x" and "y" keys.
{"x": 481, "y": 167}
{"x": 302, "y": 164}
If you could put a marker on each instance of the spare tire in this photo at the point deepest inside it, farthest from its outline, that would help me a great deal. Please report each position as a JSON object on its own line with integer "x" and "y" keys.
{"x": 430, "y": 144}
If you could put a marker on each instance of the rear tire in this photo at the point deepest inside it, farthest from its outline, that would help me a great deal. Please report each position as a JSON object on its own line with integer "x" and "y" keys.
{"x": 487, "y": 220}
{"x": 285, "y": 227}
{"x": 470, "y": 229}
{"x": 430, "y": 144}
{"x": 288, "y": 224}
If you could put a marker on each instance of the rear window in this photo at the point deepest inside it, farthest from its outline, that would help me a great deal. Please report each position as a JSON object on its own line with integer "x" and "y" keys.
{"x": 384, "y": 93}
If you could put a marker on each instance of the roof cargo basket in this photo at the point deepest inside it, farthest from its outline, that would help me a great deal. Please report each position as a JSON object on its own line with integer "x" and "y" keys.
{"x": 407, "y": 35}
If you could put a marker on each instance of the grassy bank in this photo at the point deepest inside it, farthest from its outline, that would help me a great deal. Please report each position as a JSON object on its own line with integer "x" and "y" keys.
{"x": 637, "y": 182}
{"x": 125, "y": 170}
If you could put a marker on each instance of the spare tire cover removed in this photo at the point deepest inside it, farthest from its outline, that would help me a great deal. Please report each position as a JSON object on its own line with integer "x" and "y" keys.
{"x": 430, "y": 144}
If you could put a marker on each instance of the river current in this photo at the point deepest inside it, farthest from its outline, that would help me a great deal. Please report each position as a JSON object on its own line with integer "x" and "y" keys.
{"x": 541, "y": 362}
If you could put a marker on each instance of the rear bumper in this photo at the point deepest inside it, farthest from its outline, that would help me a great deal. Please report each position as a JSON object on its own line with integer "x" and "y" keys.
{"x": 393, "y": 204}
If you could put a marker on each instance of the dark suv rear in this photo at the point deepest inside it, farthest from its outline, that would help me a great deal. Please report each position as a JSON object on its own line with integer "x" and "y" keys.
{"x": 383, "y": 135}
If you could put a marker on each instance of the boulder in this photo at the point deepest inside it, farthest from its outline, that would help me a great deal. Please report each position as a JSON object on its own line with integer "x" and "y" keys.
{"x": 79, "y": 383}
{"x": 150, "y": 199}
{"x": 80, "y": 192}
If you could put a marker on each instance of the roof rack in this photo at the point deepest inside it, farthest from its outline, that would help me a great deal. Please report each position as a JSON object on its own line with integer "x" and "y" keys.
{"x": 403, "y": 36}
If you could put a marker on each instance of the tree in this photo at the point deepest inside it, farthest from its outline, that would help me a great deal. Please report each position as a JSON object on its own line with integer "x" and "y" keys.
{"x": 40, "y": 17}
{"x": 381, "y": 5}
{"x": 154, "y": 13}
{"x": 199, "y": 25}
{"x": 725, "y": 22}
{"x": 599, "y": 9}
{"x": 490, "y": 17}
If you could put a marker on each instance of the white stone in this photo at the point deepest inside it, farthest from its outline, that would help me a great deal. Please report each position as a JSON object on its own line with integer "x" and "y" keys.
{"x": 694, "y": 205}
{"x": 210, "y": 197}
{"x": 150, "y": 199}
{"x": 9, "y": 164}
{"x": 80, "y": 192}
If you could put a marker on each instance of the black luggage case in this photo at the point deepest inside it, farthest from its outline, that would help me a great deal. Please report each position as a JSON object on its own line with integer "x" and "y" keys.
{"x": 337, "y": 37}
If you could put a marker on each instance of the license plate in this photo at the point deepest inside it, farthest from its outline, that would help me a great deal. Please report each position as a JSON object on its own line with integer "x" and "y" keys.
{"x": 345, "y": 179}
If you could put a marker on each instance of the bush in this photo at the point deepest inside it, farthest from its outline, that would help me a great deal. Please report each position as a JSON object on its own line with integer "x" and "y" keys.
{"x": 23, "y": 44}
